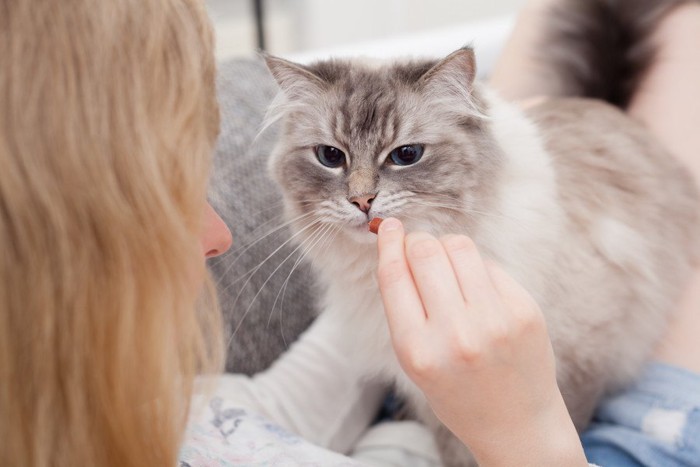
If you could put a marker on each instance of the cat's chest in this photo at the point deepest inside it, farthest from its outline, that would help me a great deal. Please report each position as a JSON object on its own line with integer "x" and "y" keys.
{"x": 357, "y": 306}
{"x": 358, "y": 303}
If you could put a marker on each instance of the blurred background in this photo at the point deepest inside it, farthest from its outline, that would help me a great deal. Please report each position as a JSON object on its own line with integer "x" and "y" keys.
{"x": 298, "y": 27}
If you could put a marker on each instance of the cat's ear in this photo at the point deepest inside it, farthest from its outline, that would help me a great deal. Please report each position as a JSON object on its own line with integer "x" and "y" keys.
{"x": 296, "y": 81}
{"x": 452, "y": 77}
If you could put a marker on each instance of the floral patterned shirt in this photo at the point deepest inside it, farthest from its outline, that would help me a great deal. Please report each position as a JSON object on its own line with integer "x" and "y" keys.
{"x": 225, "y": 435}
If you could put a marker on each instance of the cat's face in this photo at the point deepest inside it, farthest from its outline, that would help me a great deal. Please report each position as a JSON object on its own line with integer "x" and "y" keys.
{"x": 404, "y": 140}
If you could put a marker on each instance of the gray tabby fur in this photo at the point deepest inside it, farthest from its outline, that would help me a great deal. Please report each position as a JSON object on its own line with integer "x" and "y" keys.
{"x": 598, "y": 225}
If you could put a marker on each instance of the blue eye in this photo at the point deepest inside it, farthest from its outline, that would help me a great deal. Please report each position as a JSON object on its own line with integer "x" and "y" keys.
{"x": 407, "y": 155}
{"x": 330, "y": 156}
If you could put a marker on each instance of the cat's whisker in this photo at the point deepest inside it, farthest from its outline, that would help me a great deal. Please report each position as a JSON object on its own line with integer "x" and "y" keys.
{"x": 252, "y": 302}
{"x": 439, "y": 205}
{"x": 278, "y": 205}
{"x": 243, "y": 249}
{"x": 412, "y": 218}
{"x": 284, "y": 339}
{"x": 252, "y": 272}
{"x": 428, "y": 204}
{"x": 332, "y": 237}
{"x": 322, "y": 249}
{"x": 284, "y": 224}
{"x": 324, "y": 234}
{"x": 470, "y": 211}
{"x": 450, "y": 205}
{"x": 299, "y": 259}
{"x": 237, "y": 252}
{"x": 233, "y": 251}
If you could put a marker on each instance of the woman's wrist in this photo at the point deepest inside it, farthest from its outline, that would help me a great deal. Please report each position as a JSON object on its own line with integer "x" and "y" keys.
{"x": 548, "y": 438}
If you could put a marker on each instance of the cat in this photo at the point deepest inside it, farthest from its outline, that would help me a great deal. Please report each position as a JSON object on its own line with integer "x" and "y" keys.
{"x": 575, "y": 200}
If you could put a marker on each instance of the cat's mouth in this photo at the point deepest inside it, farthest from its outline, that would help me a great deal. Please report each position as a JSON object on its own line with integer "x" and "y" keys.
{"x": 358, "y": 227}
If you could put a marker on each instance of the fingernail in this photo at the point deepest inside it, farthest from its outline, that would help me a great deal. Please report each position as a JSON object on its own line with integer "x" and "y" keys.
{"x": 390, "y": 224}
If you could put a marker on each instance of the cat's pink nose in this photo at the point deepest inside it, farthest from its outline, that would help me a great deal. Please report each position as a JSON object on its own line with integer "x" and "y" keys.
{"x": 363, "y": 203}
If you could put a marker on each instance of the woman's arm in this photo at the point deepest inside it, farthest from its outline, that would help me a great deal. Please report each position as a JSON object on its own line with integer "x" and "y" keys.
{"x": 668, "y": 103}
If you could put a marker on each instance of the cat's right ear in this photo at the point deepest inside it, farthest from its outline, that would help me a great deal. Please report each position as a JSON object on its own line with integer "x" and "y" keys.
{"x": 296, "y": 81}
{"x": 453, "y": 77}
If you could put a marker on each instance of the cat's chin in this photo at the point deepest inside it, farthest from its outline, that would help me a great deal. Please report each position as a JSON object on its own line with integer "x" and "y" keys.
{"x": 360, "y": 234}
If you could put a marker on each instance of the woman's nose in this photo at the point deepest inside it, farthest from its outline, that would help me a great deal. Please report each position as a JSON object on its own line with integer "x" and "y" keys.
{"x": 216, "y": 237}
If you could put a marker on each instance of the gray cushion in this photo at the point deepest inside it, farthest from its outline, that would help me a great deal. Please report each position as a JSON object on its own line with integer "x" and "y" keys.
{"x": 262, "y": 318}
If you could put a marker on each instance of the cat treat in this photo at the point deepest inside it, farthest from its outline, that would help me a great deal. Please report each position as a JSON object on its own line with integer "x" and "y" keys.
{"x": 374, "y": 224}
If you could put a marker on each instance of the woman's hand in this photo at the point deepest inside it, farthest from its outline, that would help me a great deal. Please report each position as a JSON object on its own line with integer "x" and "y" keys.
{"x": 476, "y": 344}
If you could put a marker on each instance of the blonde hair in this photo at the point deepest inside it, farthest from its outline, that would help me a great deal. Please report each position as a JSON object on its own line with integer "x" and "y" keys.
{"x": 107, "y": 121}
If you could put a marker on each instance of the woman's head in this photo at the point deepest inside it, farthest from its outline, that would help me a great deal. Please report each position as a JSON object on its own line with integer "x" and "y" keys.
{"x": 107, "y": 121}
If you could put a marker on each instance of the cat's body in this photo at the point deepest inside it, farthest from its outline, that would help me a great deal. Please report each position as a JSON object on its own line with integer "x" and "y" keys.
{"x": 575, "y": 200}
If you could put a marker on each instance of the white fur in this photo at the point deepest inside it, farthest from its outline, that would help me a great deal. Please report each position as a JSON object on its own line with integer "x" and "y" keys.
{"x": 621, "y": 244}
{"x": 529, "y": 216}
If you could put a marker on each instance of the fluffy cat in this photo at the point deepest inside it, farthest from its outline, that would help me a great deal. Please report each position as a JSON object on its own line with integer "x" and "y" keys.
{"x": 574, "y": 199}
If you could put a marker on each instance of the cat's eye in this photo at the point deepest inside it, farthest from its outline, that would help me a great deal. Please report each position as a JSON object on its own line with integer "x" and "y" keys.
{"x": 330, "y": 156}
{"x": 407, "y": 155}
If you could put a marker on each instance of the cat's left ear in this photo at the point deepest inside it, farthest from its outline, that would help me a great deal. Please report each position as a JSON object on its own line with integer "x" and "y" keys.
{"x": 453, "y": 77}
{"x": 295, "y": 80}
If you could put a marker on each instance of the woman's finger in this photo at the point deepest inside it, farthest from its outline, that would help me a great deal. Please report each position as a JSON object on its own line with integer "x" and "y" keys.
{"x": 402, "y": 303}
{"x": 434, "y": 277}
{"x": 516, "y": 299}
{"x": 468, "y": 266}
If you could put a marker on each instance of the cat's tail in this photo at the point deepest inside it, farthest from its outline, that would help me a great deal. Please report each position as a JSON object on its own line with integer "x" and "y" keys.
{"x": 602, "y": 48}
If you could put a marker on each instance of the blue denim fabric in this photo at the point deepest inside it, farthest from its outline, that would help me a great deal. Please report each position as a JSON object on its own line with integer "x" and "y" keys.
{"x": 655, "y": 422}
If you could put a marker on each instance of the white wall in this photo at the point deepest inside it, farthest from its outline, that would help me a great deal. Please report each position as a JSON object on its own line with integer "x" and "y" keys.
{"x": 295, "y": 26}
{"x": 341, "y": 22}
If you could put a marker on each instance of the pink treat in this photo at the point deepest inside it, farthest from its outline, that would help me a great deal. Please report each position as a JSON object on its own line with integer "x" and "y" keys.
{"x": 374, "y": 224}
